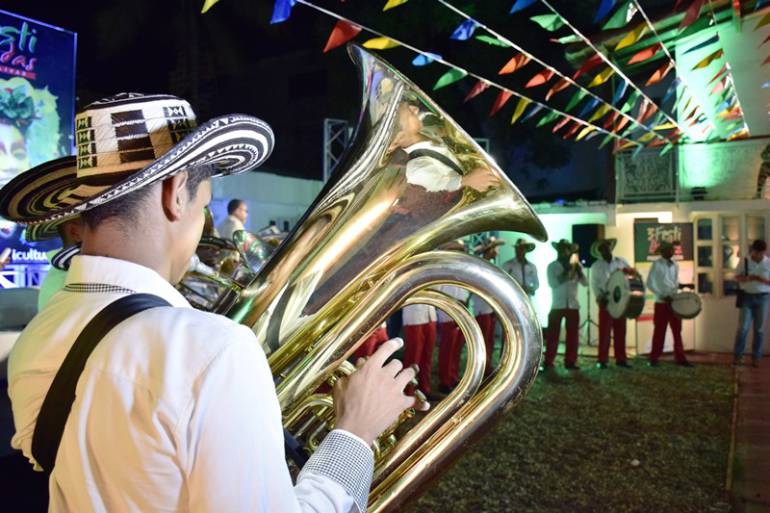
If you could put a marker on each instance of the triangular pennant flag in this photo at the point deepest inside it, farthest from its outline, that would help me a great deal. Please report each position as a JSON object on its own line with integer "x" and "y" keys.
{"x": 671, "y": 90}
{"x": 601, "y": 111}
{"x": 719, "y": 87}
{"x": 549, "y": 117}
{"x": 719, "y": 74}
{"x": 523, "y": 102}
{"x": 619, "y": 92}
{"x": 632, "y": 37}
{"x": 586, "y": 130}
{"x": 464, "y": 31}
{"x": 492, "y": 41}
{"x": 208, "y": 4}
{"x": 549, "y": 22}
{"x": 621, "y": 17}
{"x": 677, "y": 5}
{"x": 602, "y": 77}
{"x": 390, "y": 4}
{"x": 660, "y": 73}
{"x": 516, "y": 62}
{"x": 647, "y": 137}
{"x": 426, "y": 58}
{"x": 764, "y": 41}
{"x": 520, "y": 5}
{"x": 646, "y": 53}
{"x": 766, "y": 61}
{"x": 281, "y": 10}
{"x": 380, "y": 43}
{"x": 588, "y": 107}
{"x": 606, "y": 140}
{"x": 450, "y": 77}
{"x": 633, "y": 97}
{"x": 610, "y": 120}
{"x": 668, "y": 148}
{"x": 342, "y": 32}
{"x": 572, "y": 131}
{"x": 560, "y": 85}
{"x": 639, "y": 148}
{"x": 710, "y": 41}
{"x": 534, "y": 110}
{"x": 558, "y": 126}
{"x": 576, "y": 98}
{"x": 692, "y": 14}
{"x": 656, "y": 143}
{"x": 540, "y": 78}
{"x": 604, "y": 9}
{"x": 566, "y": 40}
{"x": 501, "y": 100}
{"x": 593, "y": 134}
{"x": 709, "y": 59}
{"x": 764, "y": 21}
{"x": 665, "y": 126}
{"x": 588, "y": 65}
{"x": 623, "y": 122}
{"x": 686, "y": 105}
{"x": 479, "y": 88}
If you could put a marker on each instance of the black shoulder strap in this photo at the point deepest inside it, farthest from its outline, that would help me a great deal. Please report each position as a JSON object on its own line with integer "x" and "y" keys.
{"x": 58, "y": 401}
{"x": 424, "y": 152}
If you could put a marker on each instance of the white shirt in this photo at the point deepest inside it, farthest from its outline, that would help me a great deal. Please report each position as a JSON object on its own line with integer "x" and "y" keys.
{"x": 412, "y": 315}
{"x": 454, "y": 291}
{"x": 175, "y": 411}
{"x": 563, "y": 293}
{"x": 52, "y": 283}
{"x": 480, "y": 307}
{"x": 525, "y": 274}
{"x": 761, "y": 268}
{"x": 600, "y": 273}
{"x": 430, "y": 173}
{"x": 229, "y": 226}
{"x": 663, "y": 279}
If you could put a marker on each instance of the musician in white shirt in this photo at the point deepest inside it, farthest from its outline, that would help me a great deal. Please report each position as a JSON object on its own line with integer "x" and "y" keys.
{"x": 663, "y": 281}
{"x": 601, "y": 270}
{"x": 564, "y": 275}
{"x": 521, "y": 269}
{"x": 753, "y": 273}
{"x": 237, "y": 214}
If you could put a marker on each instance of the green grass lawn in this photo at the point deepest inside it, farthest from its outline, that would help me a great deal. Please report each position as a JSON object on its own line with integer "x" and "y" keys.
{"x": 614, "y": 441}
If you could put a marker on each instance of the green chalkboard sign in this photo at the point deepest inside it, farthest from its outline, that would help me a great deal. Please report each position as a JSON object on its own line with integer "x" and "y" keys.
{"x": 648, "y": 235}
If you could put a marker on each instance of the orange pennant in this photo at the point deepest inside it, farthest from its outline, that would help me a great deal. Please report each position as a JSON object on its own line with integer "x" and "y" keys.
{"x": 342, "y": 32}
{"x": 540, "y": 79}
{"x": 501, "y": 99}
{"x": 660, "y": 73}
{"x": 558, "y": 126}
{"x": 517, "y": 62}
{"x": 647, "y": 53}
{"x": 560, "y": 85}
{"x": 588, "y": 65}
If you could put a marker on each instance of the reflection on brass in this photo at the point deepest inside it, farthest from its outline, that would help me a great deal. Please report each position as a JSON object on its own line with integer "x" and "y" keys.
{"x": 411, "y": 181}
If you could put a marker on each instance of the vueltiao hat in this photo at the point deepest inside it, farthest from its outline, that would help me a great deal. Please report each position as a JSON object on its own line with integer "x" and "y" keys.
{"x": 528, "y": 246}
{"x": 564, "y": 242}
{"x": 598, "y": 243}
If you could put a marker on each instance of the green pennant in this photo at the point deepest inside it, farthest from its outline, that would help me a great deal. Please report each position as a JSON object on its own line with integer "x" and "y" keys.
{"x": 492, "y": 41}
{"x": 450, "y": 77}
{"x": 576, "y": 98}
{"x": 666, "y": 149}
{"x": 620, "y": 18}
{"x": 567, "y": 40}
{"x": 633, "y": 97}
{"x": 549, "y": 22}
{"x": 548, "y": 118}
{"x": 606, "y": 140}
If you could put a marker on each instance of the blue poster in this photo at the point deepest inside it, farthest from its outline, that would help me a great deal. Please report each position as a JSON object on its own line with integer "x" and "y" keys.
{"x": 37, "y": 107}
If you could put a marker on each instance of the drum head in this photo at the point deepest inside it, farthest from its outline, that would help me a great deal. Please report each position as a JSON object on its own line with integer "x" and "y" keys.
{"x": 619, "y": 294}
{"x": 686, "y": 305}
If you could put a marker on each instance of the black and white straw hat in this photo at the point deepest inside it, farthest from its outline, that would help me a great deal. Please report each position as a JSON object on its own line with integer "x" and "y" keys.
{"x": 125, "y": 142}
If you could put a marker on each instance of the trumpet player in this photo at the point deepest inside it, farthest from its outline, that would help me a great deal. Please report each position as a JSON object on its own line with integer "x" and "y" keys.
{"x": 564, "y": 275}
{"x": 606, "y": 263}
{"x": 521, "y": 269}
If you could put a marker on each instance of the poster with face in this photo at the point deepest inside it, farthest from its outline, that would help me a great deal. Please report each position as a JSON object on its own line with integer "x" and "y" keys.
{"x": 37, "y": 104}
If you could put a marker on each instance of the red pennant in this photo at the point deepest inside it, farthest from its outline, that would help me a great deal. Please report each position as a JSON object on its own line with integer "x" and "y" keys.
{"x": 540, "y": 79}
{"x": 677, "y": 5}
{"x": 719, "y": 87}
{"x": 342, "y": 32}
{"x": 558, "y": 126}
{"x": 479, "y": 88}
{"x": 765, "y": 41}
{"x": 517, "y": 62}
{"x": 718, "y": 75}
{"x": 692, "y": 14}
{"x": 610, "y": 120}
{"x": 766, "y": 61}
{"x": 623, "y": 122}
{"x": 573, "y": 130}
{"x": 656, "y": 142}
{"x": 588, "y": 65}
{"x": 560, "y": 85}
{"x": 647, "y": 53}
{"x": 660, "y": 73}
{"x": 503, "y": 97}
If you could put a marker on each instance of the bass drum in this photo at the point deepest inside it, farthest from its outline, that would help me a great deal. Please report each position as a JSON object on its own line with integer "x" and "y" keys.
{"x": 686, "y": 305}
{"x": 625, "y": 295}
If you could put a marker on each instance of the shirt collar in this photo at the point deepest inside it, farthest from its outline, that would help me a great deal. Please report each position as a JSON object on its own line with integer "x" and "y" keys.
{"x": 122, "y": 273}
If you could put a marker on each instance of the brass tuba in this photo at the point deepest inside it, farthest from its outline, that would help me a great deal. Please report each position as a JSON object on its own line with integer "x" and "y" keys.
{"x": 411, "y": 181}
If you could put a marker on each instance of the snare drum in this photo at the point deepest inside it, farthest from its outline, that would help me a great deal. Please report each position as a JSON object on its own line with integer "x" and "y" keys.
{"x": 625, "y": 295}
{"x": 686, "y": 304}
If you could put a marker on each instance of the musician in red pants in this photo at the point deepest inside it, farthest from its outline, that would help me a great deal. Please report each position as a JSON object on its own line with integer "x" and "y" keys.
{"x": 451, "y": 341}
{"x": 564, "y": 275}
{"x": 373, "y": 341}
{"x": 488, "y": 250}
{"x": 419, "y": 340}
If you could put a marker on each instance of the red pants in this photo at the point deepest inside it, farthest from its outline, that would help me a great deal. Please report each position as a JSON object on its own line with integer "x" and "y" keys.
{"x": 419, "y": 340}
{"x": 572, "y": 317}
{"x": 664, "y": 316}
{"x": 452, "y": 341}
{"x": 371, "y": 344}
{"x": 618, "y": 327}
{"x": 487, "y": 325}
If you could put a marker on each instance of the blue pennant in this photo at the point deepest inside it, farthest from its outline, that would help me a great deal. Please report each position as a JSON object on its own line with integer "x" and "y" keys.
{"x": 534, "y": 110}
{"x": 671, "y": 90}
{"x": 593, "y": 102}
{"x": 760, "y": 4}
{"x": 604, "y": 10}
{"x": 464, "y": 31}
{"x": 620, "y": 92}
{"x": 425, "y": 58}
{"x": 704, "y": 44}
{"x": 520, "y": 5}
{"x": 282, "y": 10}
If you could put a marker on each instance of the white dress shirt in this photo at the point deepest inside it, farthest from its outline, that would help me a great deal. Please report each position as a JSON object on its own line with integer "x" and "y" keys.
{"x": 761, "y": 268}
{"x": 480, "y": 307}
{"x": 229, "y": 226}
{"x": 412, "y": 315}
{"x": 601, "y": 271}
{"x": 663, "y": 279}
{"x": 456, "y": 292}
{"x": 525, "y": 274}
{"x": 431, "y": 173}
{"x": 175, "y": 411}
{"x": 52, "y": 283}
{"x": 563, "y": 293}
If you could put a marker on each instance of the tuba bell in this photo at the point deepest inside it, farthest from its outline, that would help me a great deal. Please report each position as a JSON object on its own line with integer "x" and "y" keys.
{"x": 410, "y": 181}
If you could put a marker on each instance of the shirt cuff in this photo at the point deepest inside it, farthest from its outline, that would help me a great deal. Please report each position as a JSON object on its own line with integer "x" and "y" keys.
{"x": 348, "y": 461}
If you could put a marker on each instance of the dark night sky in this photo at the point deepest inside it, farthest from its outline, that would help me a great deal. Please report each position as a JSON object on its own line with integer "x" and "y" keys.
{"x": 231, "y": 59}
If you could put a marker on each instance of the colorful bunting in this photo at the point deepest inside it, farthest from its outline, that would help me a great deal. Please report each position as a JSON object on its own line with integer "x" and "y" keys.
{"x": 588, "y": 107}
{"x": 558, "y": 126}
{"x": 450, "y": 77}
{"x": 764, "y": 21}
{"x": 692, "y": 14}
{"x": 479, "y": 88}
{"x": 766, "y": 61}
{"x": 281, "y": 10}
{"x": 602, "y": 77}
{"x": 600, "y": 112}
{"x": 606, "y": 140}
{"x": 560, "y": 85}
{"x": 665, "y": 150}
{"x": 426, "y": 58}
{"x": 390, "y": 4}
{"x": 619, "y": 92}
{"x": 517, "y": 62}
{"x": 523, "y": 102}
{"x": 534, "y": 110}
{"x": 464, "y": 31}
{"x": 550, "y": 22}
{"x": 591, "y": 63}
{"x": 719, "y": 74}
{"x": 708, "y": 42}
{"x": 709, "y": 59}
{"x": 342, "y": 32}
{"x": 623, "y": 122}
{"x": 208, "y": 4}
{"x": 719, "y": 87}
{"x": 646, "y": 137}
{"x": 645, "y": 54}
{"x": 380, "y": 43}
{"x": 611, "y": 119}
{"x": 665, "y": 126}
{"x": 660, "y": 73}
{"x": 549, "y": 117}
{"x": 604, "y": 9}
{"x": 765, "y": 41}
{"x": 632, "y": 36}
{"x": 633, "y": 97}
{"x": 540, "y": 78}
{"x": 501, "y": 100}
{"x": 520, "y": 5}
{"x": 492, "y": 41}
{"x": 622, "y": 16}
{"x": 576, "y": 98}
{"x": 671, "y": 90}
{"x": 572, "y": 131}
